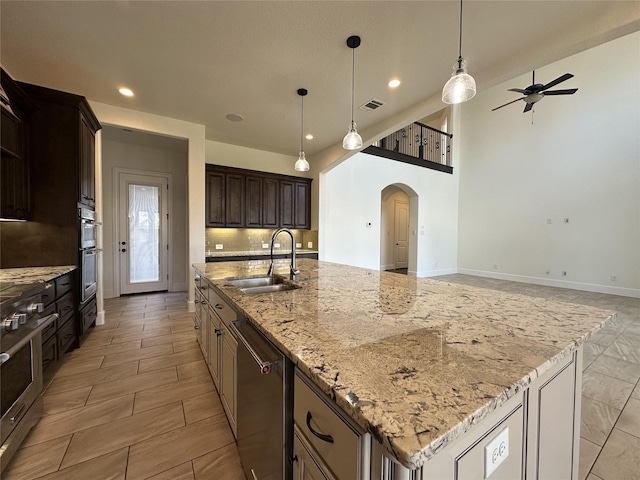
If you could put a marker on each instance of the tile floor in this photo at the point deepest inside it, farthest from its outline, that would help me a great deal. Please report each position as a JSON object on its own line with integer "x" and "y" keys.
{"x": 136, "y": 401}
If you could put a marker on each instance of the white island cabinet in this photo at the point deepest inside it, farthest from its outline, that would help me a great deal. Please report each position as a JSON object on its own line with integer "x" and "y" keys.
{"x": 400, "y": 378}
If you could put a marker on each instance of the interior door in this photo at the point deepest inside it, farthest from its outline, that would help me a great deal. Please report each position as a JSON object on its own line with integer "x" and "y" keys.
{"x": 142, "y": 233}
{"x": 401, "y": 234}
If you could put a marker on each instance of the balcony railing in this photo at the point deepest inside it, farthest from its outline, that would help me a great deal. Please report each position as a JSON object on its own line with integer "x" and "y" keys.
{"x": 418, "y": 144}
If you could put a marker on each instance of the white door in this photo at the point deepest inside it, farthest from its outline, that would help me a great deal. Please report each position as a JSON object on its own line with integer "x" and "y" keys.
{"x": 142, "y": 243}
{"x": 401, "y": 234}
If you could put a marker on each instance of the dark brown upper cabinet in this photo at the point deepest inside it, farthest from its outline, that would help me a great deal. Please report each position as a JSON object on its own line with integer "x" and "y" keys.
{"x": 246, "y": 198}
{"x": 15, "y": 168}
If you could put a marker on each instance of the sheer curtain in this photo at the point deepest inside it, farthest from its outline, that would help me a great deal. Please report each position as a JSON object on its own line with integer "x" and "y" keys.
{"x": 144, "y": 234}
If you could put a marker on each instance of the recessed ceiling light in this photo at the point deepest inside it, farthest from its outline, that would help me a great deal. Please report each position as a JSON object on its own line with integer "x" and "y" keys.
{"x": 232, "y": 117}
{"x": 309, "y": 136}
{"x": 393, "y": 83}
{"x": 127, "y": 92}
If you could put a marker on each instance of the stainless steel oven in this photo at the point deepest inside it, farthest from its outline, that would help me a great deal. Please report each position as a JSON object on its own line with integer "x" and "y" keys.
{"x": 88, "y": 253}
{"x": 88, "y": 226}
{"x": 20, "y": 366}
{"x": 88, "y": 273}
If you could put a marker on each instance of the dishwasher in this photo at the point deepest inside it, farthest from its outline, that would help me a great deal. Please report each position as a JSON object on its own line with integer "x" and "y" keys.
{"x": 265, "y": 405}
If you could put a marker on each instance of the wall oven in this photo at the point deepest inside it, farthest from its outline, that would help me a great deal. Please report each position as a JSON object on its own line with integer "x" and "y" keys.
{"x": 88, "y": 253}
{"x": 20, "y": 364}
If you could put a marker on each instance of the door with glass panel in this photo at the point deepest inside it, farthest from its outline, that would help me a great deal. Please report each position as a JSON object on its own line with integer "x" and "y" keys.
{"x": 142, "y": 233}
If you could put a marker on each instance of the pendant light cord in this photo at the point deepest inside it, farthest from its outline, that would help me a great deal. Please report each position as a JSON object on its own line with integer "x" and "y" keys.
{"x": 460, "y": 42}
{"x": 302, "y": 123}
{"x": 353, "y": 80}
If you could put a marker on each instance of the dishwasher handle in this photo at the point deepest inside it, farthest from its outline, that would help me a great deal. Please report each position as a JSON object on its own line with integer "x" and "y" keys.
{"x": 265, "y": 366}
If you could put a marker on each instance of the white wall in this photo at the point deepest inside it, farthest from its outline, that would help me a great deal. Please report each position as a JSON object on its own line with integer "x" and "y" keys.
{"x": 579, "y": 160}
{"x": 350, "y": 196}
{"x": 117, "y": 154}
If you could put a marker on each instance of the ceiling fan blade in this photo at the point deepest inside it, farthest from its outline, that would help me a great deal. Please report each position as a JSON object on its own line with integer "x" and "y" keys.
{"x": 555, "y": 82}
{"x": 519, "y": 90}
{"x": 527, "y": 107}
{"x": 509, "y": 103}
{"x": 569, "y": 91}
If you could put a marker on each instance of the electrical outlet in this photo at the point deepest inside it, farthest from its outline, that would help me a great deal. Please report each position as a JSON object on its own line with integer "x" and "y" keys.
{"x": 276, "y": 245}
{"x": 219, "y": 246}
{"x": 265, "y": 245}
{"x": 309, "y": 244}
{"x": 298, "y": 245}
{"x": 496, "y": 452}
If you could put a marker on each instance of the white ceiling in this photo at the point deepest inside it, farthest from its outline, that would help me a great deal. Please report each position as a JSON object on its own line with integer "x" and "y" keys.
{"x": 200, "y": 60}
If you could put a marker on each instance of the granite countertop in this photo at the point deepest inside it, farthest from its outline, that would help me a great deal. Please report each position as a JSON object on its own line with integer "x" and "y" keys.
{"x": 254, "y": 253}
{"x": 415, "y": 362}
{"x": 28, "y": 275}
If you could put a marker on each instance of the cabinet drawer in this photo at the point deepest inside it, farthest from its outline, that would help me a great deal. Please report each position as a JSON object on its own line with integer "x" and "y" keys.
{"x": 63, "y": 285}
{"x": 49, "y": 294}
{"x": 220, "y": 307}
{"x": 66, "y": 336}
{"x": 88, "y": 316}
{"x": 65, "y": 307}
{"x": 311, "y": 414}
{"x": 49, "y": 352}
{"x": 53, "y": 326}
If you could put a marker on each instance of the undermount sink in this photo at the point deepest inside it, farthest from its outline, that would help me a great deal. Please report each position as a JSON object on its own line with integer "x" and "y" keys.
{"x": 262, "y": 284}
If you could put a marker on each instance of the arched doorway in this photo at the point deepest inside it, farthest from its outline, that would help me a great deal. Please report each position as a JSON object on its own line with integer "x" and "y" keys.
{"x": 398, "y": 220}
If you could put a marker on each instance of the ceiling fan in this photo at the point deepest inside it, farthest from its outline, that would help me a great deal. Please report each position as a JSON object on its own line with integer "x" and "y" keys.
{"x": 537, "y": 91}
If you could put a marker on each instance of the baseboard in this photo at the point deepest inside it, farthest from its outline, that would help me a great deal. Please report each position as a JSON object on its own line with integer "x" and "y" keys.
{"x": 549, "y": 282}
{"x": 100, "y": 318}
{"x": 435, "y": 273}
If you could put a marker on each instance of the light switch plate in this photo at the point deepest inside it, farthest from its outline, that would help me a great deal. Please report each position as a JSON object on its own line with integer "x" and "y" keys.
{"x": 496, "y": 452}
{"x": 309, "y": 244}
{"x": 219, "y": 246}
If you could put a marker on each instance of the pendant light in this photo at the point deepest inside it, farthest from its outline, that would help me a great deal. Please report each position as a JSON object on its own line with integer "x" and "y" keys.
{"x": 352, "y": 140}
{"x": 461, "y": 86}
{"x": 301, "y": 164}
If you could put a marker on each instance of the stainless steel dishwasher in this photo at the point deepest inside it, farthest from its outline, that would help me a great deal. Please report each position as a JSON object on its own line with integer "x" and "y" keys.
{"x": 265, "y": 401}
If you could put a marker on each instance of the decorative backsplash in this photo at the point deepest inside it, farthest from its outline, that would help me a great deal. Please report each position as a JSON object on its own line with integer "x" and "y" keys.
{"x": 252, "y": 239}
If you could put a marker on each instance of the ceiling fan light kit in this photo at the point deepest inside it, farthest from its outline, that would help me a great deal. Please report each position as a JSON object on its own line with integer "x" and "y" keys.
{"x": 352, "y": 140}
{"x": 461, "y": 86}
{"x": 301, "y": 164}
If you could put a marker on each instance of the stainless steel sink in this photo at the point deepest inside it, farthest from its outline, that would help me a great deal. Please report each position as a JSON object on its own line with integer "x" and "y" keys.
{"x": 262, "y": 284}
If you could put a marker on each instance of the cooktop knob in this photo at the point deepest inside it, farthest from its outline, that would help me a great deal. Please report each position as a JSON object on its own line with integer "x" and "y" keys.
{"x": 36, "y": 307}
{"x": 12, "y": 323}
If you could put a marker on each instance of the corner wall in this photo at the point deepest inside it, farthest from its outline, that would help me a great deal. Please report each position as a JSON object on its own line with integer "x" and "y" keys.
{"x": 580, "y": 160}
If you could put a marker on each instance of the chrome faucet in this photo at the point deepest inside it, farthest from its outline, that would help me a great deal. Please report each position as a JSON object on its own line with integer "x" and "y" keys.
{"x": 292, "y": 267}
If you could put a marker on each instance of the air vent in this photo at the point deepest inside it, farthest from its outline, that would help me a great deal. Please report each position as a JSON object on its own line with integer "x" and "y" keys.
{"x": 372, "y": 105}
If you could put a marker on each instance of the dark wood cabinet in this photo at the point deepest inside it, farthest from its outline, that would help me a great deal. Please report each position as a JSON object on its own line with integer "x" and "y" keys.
{"x": 247, "y": 198}
{"x": 15, "y": 192}
{"x": 234, "y": 200}
{"x": 87, "y": 163}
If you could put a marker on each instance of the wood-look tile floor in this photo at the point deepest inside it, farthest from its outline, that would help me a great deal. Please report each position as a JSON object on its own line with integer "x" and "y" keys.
{"x": 134, "y": 402}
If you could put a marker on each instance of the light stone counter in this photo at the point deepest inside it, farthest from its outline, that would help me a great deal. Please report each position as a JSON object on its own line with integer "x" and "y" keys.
{"x": 415, "y": 362}
{"x": 28, "y": 275}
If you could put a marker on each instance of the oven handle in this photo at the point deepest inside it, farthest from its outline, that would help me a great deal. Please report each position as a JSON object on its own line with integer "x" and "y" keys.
{"x": 43, "y": 323}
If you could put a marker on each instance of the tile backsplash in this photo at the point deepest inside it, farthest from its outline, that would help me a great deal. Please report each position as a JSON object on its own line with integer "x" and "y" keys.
{"x": 252, "y": 239}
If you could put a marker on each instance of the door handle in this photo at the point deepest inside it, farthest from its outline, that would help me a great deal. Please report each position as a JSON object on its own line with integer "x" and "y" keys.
{"x": 123, "y": 250}
{"x": 321, "y": 436}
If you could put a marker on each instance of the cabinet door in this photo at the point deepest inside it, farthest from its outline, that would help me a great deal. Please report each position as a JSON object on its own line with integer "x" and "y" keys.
{"x": 215, "y": 199}
{"x": 253, "y": 204}
{"x": 87, "y": 164}
{"x": 287, "y": 203}
{"x": 214, "y": 347}
{"x": 228, "y": 376}
{"x": 14, "y": 175}
{"x": 234, "y": 200}
{"x": 270, "y": 203}
{"x": 304, "y": 466}
{"x": 302, "y": 209}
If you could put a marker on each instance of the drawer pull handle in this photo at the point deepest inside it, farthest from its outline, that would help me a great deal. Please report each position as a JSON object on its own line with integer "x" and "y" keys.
{"x": 321, "y": 436}
{"x": 219, "y": 306}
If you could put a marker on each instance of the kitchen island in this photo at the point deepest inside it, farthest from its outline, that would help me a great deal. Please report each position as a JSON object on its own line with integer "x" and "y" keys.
{"x": 429, "y": 369}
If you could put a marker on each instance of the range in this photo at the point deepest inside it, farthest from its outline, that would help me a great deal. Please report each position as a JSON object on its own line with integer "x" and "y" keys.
{"x": 21, "y": 308}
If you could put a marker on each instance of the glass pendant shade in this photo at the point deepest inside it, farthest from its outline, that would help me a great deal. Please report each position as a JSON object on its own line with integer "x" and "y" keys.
{"x": 301, "y": 164}
{"x": 459, "y": 88}
{"x": 352, "y": 140}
